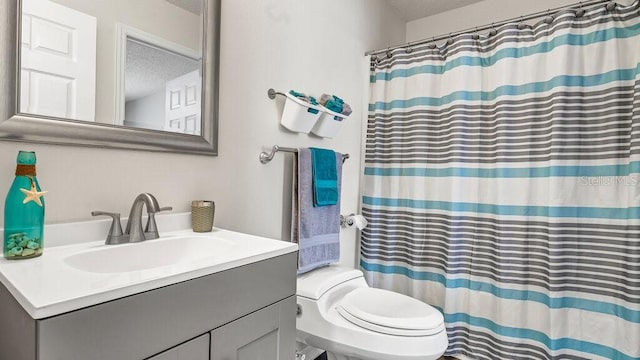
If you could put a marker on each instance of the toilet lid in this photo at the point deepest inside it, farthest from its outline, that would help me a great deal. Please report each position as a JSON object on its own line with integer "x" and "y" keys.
{"x": 390, "y": 313}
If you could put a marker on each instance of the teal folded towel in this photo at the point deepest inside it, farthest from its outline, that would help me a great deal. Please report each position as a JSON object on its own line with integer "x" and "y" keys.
{"x": 332, "y": 103}
{"x": 335, "y": 104}
{"x": 310, "y": 99}
{"x": 325, "y": 177}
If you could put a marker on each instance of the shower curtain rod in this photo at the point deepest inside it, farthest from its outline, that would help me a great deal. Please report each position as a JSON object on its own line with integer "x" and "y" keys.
{"x": 537, "y": 15}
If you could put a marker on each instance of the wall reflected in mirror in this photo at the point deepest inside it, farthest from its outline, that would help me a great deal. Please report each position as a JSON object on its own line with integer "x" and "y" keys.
{"x": 121, "y": 62}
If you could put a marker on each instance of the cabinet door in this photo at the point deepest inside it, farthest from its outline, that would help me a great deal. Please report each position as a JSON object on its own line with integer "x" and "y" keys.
{"x": 267, "y": 334}
{"x": 196, "y": 349}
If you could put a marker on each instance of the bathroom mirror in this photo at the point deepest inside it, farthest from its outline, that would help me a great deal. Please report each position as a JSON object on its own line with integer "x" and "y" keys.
{"x": 115, "y": 74}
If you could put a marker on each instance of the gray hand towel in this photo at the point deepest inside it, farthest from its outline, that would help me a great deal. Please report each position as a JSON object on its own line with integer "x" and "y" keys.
{"x": 315, "y": 229}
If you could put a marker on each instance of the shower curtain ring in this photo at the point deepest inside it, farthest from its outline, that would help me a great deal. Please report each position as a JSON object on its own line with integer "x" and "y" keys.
{"x": 433, "y": 43}
{"x": 475, "y": 35}
{"x": 580, "y": 12}
{"x": 521, "y": 24}
{"x": 450, "y": 40}
{"x": 493, "y": 30}
{"x": 375, "y": 59}
{"x": 388, "y": 53}
{"x": 408, "y": 49}
{"x": 549, "y": 18}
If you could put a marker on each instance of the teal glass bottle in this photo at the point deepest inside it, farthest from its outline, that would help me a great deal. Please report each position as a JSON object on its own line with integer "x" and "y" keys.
{"x": 24, "y": 212}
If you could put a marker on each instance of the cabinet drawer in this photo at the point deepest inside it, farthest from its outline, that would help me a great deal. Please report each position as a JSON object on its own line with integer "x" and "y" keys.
{"x": 196, "y": 349}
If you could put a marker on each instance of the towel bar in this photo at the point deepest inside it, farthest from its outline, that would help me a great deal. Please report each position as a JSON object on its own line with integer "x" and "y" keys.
{"x": 265, "y": 157}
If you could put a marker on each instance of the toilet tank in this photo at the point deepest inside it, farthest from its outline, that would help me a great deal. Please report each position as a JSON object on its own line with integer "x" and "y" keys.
{"x": 315, "y": 283}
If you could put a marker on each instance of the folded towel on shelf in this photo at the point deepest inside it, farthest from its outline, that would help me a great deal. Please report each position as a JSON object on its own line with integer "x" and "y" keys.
{"x": 316, "y": 230}
{"x": 332, "y": 102}
{"x": 310, "y": 99}
{"x": 335, "y": 104}
{"x": 324, "y": 98}
{"x": 306, "y": 98}
{"x": 325, "y": 177}
{"x": 346, "y": 110}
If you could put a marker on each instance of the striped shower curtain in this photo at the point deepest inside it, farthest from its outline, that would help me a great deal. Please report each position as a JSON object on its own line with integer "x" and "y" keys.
{"x": 502, "y": 185}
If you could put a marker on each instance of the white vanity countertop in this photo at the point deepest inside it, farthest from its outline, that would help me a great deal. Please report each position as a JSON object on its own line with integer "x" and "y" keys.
{"x": 51, "y": 285}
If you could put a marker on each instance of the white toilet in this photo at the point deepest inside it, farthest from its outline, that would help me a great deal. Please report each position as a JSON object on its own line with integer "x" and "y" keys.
{"x": 340, "y": 313}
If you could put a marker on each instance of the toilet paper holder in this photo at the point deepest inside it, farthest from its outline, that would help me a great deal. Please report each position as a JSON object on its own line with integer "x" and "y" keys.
{"x": 347, "y": 221}
{"x": 343, "y": 220}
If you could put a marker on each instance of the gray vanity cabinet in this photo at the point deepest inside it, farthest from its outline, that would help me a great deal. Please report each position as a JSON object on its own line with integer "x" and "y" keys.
{"x": 263, "y": 335}
{"x": 250, "y": 307}
{"x": 196, "y": 349}
{"x": 267, "y": 334}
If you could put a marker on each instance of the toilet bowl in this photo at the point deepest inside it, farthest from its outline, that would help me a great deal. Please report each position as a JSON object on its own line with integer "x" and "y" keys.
{"x": 340, "y": 313}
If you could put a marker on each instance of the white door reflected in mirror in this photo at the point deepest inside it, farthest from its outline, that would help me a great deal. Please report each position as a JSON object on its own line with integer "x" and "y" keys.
{"x": 182, "y": 111}
{"x": 58, "y": 68}
{"x": 138, "y": 52}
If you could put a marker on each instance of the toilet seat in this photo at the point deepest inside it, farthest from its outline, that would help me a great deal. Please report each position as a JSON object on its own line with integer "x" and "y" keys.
{"x": 390, "y": 313}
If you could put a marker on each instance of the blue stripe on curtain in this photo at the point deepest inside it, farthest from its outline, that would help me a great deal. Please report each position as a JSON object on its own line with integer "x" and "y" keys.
{"x": 546, "y": 211}
{"x": 502, "y": 186}
{"x": 512, "y": 90}
{"x": 525, "y": 172}
{"x": 514, "y": 53}
{"x": 552, "y": 344}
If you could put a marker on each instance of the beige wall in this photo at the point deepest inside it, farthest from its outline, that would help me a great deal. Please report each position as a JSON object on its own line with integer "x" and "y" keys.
{"x": 478, "y": 14}
{"x": 311, "y": 46}
{"x": 157, "y": 17}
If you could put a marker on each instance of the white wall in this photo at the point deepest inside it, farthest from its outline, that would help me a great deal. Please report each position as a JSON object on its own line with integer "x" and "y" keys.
{"x": 311, "y": 46}
{"x": 478, "y": 14}
{"x": 147, "y": 112}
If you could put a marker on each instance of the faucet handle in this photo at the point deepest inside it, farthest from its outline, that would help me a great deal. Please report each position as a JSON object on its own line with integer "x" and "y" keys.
{"x": 115, "y": 232}
{"x": 151, "y": 230}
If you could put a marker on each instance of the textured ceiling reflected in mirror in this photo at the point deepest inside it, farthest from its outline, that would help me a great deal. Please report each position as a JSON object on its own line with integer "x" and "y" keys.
{"x": 161, "y": 89}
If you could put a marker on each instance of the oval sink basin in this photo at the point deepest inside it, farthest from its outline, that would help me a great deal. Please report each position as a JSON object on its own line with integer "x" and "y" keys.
{"x": 150, "y": 254}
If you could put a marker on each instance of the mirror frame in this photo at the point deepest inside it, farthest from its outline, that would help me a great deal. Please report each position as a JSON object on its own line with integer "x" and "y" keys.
{"x": 15, "y": 126}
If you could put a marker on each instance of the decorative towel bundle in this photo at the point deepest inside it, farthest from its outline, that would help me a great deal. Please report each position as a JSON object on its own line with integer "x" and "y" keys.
{"x": 335, "y": 104}
{"x": 316, "y": 229}
{"x": 310, "y": 99}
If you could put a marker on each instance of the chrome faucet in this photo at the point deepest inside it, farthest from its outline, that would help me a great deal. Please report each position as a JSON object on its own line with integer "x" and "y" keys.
{"x": 134, "y": 231}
